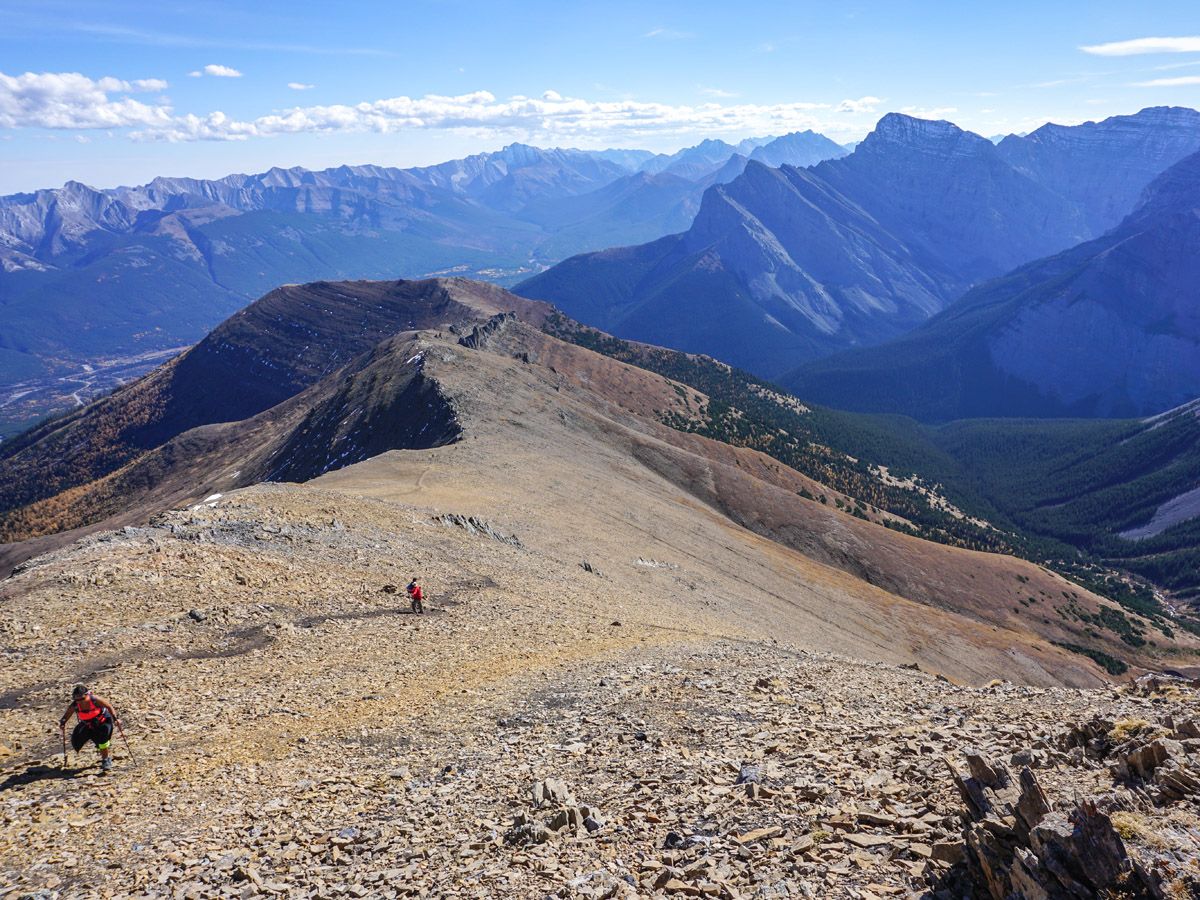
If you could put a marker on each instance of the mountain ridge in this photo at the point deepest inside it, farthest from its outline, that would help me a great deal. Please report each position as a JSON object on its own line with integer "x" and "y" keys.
{"x": 459, "y": 364}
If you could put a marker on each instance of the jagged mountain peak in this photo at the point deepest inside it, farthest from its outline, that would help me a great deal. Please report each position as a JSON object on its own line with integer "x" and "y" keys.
{"x": 78, "y": 187}
{"x": 898, "y": 129}
{"x": 799, "y": 148}
{"x": 713, "y": 144}
{"x": 524, "y": 154}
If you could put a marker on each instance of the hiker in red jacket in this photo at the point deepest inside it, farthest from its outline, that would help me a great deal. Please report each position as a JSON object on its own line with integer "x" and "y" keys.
{"x": 415, "y": 594}
{"x": 96, "y": 720}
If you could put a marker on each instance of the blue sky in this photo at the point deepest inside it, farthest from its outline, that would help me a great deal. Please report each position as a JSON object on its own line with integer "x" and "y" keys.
{"x": 118, "y": 92}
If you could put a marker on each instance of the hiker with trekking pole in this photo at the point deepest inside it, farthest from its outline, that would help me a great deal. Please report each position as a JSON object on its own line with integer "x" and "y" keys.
{"x": 96, "y": 720}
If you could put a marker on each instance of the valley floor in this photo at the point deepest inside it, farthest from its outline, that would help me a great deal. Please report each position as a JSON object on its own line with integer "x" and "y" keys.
{"x": 300, "y": 733}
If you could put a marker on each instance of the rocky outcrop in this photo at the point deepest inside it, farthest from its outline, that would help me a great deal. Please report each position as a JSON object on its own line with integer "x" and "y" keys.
{"x": 1018, "y": 845}
{"x": 1159, "y": 761}
{"x": 480, "y": 334}
{"x": 288, "y": 342}
{"x": 476, "y": 525}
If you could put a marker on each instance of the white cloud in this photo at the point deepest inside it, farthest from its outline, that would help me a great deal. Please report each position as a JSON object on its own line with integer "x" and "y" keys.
{"x": 861, "y": 105}
{"x": 718, "y": 92}
{"x": 216, "y": 71}
{"x": 71, "y": 100}
{"x": 551, "y": 117}
{"x": 1145, "y": 45}
{"x": 300, "y": 86}
{"x": 1169, "y": 82}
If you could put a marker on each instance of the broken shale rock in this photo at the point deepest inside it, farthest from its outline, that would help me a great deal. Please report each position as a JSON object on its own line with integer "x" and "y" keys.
{"x": 1017, "y": 845}
{"x": 560, "y": 811}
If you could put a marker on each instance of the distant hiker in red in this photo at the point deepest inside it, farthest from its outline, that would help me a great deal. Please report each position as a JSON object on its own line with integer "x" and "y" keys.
{"x": 96, "y": 719}
{"x": 416, "y": 595}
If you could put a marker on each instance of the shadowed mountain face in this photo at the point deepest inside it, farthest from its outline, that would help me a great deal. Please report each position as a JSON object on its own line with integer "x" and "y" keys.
{"x": 1107, "y": 328}
{"x": 1105, "y": 166}
{"x": 520, "y": 419}
{"x": 776, "y": 266}
{"x": 787, "y": 266}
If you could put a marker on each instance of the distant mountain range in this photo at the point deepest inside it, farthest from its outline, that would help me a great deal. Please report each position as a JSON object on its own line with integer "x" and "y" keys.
{"x": 87, "y": 275}
{"x": 785, "y": 266}
{"x": 1108, "y": 328}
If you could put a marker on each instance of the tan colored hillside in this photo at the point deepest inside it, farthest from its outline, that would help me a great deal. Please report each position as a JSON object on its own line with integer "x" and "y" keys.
{"x": 300, "y": 733}
{"x": 518, "y": 423}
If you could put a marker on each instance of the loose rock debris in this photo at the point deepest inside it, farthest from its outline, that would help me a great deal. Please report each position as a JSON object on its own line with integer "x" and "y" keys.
{"x": 306, "y": 738}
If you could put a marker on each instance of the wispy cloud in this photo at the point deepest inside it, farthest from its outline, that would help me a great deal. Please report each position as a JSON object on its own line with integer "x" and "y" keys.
{"x": 1060, "y": 82}
{"x": 1139, "y": 46}
{"x": 551, "y": 114}
{"x": 717, "y": 92}
{"x": 119, "y": 34}
{"x": 1182, "y": 65}
{"x": 1169, "y": 82}
{"x": 300, "y": 86}
{"x": 216, "y": 72}
{"x": 861, "y": 105}
{"x": 668, "y": 34}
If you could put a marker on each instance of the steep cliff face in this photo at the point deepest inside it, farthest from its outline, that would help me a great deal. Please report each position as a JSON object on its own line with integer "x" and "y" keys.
{"x": 36, "y": 227}
{"x": 812, "y": 258}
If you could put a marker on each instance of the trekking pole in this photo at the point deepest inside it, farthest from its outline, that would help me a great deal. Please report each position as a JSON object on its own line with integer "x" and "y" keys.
{"x": 125, "y": 741}
{"x": 63, "y": 732}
